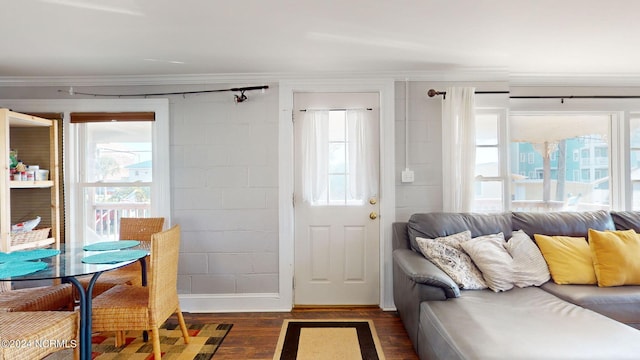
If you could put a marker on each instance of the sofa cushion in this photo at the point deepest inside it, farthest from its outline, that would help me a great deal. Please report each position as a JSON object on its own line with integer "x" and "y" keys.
{"x": 616, "y": 257}
{"x": 490, "y": 255}
{"x": 447, "y": 253}
{"x": 522, "y": 323}
{"x": 439, "y": 224}
{"x": 620, "y": 303}
{"x": 626, "y": 220}
{"x": 568, "y": 258}
{"x": 529, "y": 266}
{"x": 562, "y": 223}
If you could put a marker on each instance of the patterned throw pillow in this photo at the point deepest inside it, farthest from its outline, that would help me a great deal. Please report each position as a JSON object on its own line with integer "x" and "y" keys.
{"x": 448, "y": 255}
{"x": 490, "y": 255}
{"x": 529, "y": 266}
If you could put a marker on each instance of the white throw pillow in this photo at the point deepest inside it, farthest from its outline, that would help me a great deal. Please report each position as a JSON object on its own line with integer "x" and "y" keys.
{"x": 490, "y": 255}
{"x": 530, "y": 268}
{"x": 448, "y": 255}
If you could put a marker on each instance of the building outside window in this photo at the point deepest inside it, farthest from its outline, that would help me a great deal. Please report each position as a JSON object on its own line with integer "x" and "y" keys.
{"x": 560, "y": 152}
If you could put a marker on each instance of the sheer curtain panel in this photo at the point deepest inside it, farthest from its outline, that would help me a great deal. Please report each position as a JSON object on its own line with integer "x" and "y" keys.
{"x": 315, "y": 142}
{"x": 458, "y": 148}
{"x": 363, "y": 155}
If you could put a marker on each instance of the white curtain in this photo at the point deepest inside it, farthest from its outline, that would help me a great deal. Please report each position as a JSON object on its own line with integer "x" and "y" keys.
{"x": 458, "y": 148}
{"x": 315, "y": 144}
{"x": 363, "y": 155}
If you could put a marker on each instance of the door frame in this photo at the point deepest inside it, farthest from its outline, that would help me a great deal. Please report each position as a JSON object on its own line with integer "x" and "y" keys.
{"x": 386, "y": 90}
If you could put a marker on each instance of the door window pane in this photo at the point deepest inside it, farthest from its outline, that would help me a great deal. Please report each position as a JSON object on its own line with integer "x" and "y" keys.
{"x": 337, "y": 126}
{"x": 337, "y": 188}
{"x": 337, "y": 158}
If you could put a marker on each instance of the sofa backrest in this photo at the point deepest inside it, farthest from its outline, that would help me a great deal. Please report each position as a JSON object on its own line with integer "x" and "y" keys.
{"x": 626, "y": 220}
{"x": 576, "y": 224}
{"x": 438, "y": 224}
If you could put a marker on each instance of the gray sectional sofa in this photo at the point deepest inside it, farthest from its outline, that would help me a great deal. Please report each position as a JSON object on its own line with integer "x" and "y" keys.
{"x": 546, "y": 322}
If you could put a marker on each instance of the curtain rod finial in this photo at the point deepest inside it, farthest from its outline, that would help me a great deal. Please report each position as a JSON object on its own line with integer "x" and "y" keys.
{"x": 432, "y": 93}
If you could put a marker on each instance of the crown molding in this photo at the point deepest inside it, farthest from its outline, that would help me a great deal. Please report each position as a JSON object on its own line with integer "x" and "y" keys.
{"x": 201, "y": 79}
{"x": 455, "y": 75}
{"x": 551, "y": 79}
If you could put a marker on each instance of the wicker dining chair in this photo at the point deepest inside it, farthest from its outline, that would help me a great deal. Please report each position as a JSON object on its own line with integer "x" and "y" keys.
{"x": 139, "y": 229}
{"x": 131, "y": 307}
{"x": 41, "y": 298}
{"x": 32, "y": 335}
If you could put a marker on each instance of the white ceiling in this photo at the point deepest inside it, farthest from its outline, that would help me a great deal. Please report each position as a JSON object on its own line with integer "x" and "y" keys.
{"x": 164, "y": 37}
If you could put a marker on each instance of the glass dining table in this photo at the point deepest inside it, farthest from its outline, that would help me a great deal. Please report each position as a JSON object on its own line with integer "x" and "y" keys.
{"x": 68, "y": 266}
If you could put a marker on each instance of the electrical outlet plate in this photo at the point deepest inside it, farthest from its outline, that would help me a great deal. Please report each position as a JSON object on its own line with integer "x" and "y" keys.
{"x": 407, "y": 176}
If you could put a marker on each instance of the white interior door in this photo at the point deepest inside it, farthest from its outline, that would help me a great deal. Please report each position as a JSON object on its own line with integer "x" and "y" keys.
{"x": 336, "y": 223}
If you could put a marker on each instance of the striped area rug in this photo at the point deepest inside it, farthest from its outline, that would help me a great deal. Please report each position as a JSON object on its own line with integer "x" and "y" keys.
{"x": 328, "y": 339}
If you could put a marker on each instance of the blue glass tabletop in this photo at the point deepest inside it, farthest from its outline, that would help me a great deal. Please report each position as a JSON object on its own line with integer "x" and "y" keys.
{"x": 69, "y": 264}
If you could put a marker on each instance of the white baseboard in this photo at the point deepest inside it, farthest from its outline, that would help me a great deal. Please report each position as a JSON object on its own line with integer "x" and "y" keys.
{"x": 229, "y": 303}
{"x": 219, "y": 303}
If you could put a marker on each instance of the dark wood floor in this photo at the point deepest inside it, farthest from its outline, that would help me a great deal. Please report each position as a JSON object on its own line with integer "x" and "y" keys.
{"x": 255, "y": 335}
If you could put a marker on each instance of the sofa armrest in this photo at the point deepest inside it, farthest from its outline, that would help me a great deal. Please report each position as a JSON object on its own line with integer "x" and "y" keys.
{"x": 422, "y": 271}
{"x": 416, "y": 279}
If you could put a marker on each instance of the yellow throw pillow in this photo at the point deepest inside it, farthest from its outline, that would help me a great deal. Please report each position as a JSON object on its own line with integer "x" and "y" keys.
{"x": 616, "y": 257}
{"x": 568, "y": 258}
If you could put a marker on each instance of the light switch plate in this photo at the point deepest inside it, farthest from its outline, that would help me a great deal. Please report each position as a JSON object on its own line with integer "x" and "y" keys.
{"x": 407, "y": 176}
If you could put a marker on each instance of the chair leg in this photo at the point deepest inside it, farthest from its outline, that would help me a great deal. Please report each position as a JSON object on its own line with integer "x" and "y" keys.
{"x": 155, "y": 334}
{"x": 120, "y": 339}
{"x": 183, "y": 326}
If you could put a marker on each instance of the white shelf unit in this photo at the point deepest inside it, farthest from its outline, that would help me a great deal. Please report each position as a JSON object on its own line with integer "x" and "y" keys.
{"x": 35, "y": 138}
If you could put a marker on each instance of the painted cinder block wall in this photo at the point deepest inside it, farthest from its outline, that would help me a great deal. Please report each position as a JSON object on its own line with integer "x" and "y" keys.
{"x": 224, "y": 159}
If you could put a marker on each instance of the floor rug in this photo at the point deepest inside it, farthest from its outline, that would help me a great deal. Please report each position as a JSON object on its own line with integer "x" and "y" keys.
{"x": 302, "y": 339}
{"x": 203, "y": 343}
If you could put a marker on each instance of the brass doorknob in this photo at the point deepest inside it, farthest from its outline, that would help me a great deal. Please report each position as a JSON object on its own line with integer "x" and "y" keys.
{"x": 373, "y": 215}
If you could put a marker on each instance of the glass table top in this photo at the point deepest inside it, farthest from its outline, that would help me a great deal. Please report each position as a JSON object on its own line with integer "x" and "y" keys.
{"x": 69, "y": 264}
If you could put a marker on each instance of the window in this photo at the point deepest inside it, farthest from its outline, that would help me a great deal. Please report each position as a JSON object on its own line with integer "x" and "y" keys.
{"x": 562, "y": 182}
{"x": 489, "y": 166}
{"x": 113, "y": 172}
{"x": 634, "y": 162}
{"x": 339, "y": 161}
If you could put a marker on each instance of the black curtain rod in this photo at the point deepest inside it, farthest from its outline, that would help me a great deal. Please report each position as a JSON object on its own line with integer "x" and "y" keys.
{"x": 303, "y": 110}
{"x": 432, "y": 93}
